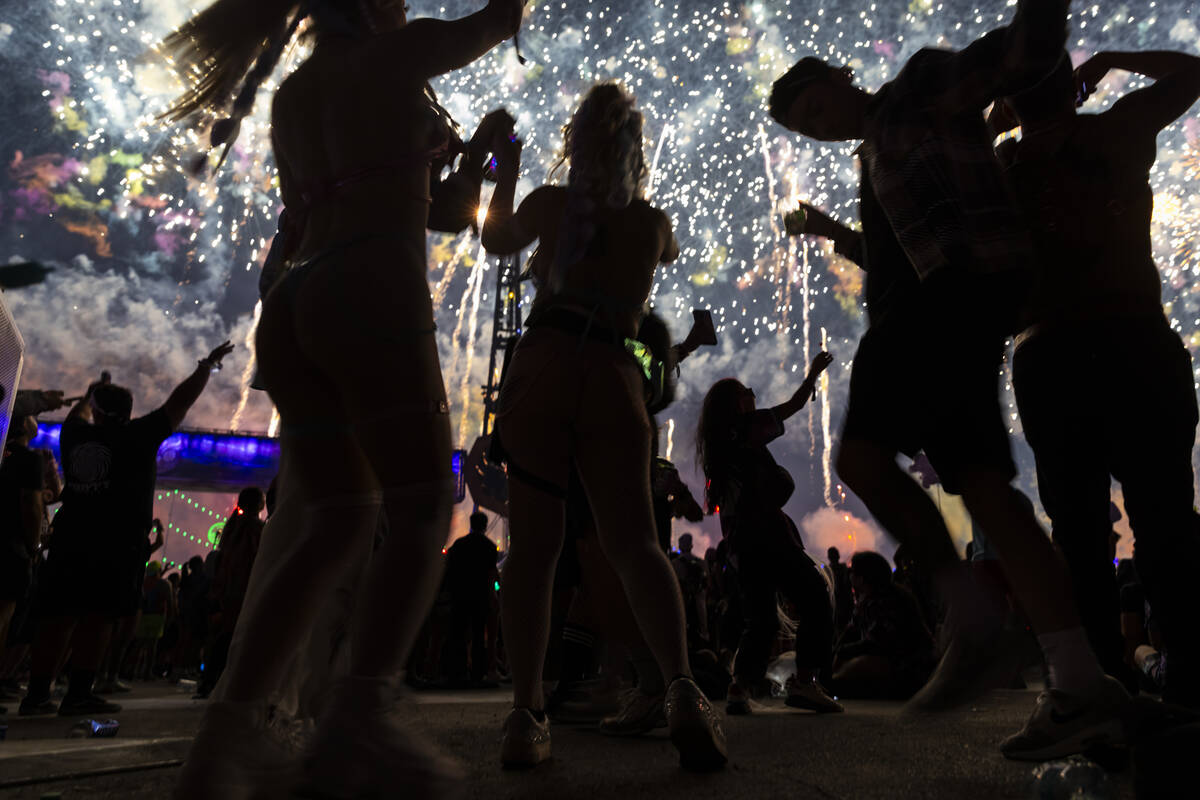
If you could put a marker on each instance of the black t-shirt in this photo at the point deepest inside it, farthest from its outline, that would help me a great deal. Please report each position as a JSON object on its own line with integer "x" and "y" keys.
{"x": 110, "y": 472}
{"x": 469, "y": 567}
{"x": 21, "y": 471}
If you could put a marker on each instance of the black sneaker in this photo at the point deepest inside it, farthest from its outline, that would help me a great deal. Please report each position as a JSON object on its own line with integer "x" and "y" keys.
{"x": 37, "y": 706}
{"x": 88, "y": 704}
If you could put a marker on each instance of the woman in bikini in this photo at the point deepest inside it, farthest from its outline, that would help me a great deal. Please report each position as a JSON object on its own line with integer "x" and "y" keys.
{"x": 347, "y": 352}
{"x": 573, "y": 395}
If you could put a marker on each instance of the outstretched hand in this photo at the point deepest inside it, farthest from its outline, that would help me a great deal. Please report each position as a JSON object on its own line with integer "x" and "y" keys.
{"x": 807, "y": 219}
{"x": 819, "y": 364}
{"x": 218, "y": 354}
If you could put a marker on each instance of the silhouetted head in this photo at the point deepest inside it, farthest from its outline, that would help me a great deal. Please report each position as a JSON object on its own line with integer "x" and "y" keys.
{"x": 251, "y": 501}
{"x": 869, "y": 571}
{"x": 819, "y": 100}
{"x": 196, "y": 563}
{"x": 111, "y": 404}
{"x": 685, "y": 543}
{"x": 1053, "y": 97}
{"x": 716, "y": 433}
{"x": 23, "y": 429}
{"x": 479, "y": 522}
{"x": 833, "y": 555}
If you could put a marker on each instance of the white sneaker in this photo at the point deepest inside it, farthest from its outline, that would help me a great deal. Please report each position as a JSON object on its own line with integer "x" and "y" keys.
{"x": 1063, "y": 725}
{"x": 525, "y": 742}
{"x": 235, "y": 756}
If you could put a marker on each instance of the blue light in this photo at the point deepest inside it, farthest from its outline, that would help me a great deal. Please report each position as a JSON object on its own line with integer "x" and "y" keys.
{"x": 204, "y": 459}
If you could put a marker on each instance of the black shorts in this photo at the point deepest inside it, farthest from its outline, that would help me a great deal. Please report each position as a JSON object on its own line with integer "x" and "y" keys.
{"x": 926, "y": 377}
{"x": 81, "y": 583}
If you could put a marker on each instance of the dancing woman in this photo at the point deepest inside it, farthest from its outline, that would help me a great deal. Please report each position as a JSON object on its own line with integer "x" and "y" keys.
{"x": 347, "y": 352}
{"x": 748, "y": 489}
{"x": 574, "y": 395}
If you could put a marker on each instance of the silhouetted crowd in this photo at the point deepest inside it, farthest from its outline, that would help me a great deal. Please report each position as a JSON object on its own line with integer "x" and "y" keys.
{"x": 969, "y": 235}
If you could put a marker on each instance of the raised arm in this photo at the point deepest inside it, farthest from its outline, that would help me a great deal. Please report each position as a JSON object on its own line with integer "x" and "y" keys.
{"x": 504, "y": 232}
{"x": 1003, "y": 62}
{"x": 1176, "y": 87}
{"x": 456, "y": 197}
{"x": 807, "y": 389}
{"x": 434, "y": 47}
{"x": 187, "y": 393}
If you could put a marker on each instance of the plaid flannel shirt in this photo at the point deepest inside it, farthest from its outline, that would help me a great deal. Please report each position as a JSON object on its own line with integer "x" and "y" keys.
{"x": 929, "y": 150}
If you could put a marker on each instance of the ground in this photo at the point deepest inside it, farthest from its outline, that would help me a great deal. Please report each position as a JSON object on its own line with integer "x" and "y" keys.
{"x": 871, "y": 751}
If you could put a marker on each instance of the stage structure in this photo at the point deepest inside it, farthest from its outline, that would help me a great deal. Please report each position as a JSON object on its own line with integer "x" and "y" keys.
{"x": 487, "y": 479}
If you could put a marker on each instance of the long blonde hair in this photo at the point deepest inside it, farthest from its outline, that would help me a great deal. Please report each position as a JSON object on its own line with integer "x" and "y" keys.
{"x": 230, "y": 44}
{"x": 602, "y": 148}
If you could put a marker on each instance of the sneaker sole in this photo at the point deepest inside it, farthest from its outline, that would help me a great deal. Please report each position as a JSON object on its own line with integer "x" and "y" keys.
{"x": 1108, "y": 732}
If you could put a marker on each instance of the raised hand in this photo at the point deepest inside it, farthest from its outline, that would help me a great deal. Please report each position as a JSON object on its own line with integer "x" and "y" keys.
{"x": 819, "y": 364}
{"x": 1088, "y": 75}
{"x": 218, "y": 354}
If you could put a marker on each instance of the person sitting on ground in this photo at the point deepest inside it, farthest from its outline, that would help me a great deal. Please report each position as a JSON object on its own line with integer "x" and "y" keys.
{"x": 96, "y": 561}
{"x": 887, "y": 651}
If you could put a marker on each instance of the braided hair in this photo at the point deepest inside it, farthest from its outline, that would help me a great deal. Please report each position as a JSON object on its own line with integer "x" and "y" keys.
{"x": 603, "y": 146}
{"x": 229, "y": 50}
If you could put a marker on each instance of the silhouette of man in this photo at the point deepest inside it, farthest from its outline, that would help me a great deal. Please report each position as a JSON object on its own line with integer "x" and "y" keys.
{"x": 1096, "y": 313}
{"x": 951, "y": 251}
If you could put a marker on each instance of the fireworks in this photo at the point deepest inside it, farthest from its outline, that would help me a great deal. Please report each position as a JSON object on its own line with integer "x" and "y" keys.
{"x": 91, "y": 171}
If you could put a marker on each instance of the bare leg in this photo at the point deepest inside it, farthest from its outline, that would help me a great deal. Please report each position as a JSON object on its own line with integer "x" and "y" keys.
{"x": 1039, "y": 578}
{"x": 537, "y": 521}
{"x": 615, "y": 473}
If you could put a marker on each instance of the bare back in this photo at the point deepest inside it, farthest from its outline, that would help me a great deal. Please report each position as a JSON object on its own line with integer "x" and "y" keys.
{"x": 617, "y": 270}
{"x": 340, "y": 115}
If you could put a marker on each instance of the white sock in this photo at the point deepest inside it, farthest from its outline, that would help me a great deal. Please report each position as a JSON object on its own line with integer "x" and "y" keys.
{"x": 1070, "y": 663}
